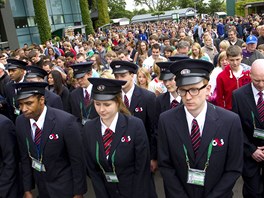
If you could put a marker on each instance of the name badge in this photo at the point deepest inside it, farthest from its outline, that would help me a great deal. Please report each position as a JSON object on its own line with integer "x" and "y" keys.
{"x": 37, "y": 165}
{"x": 16, "y": 112}
{"x": 84, "y": 120}
{"x": 258, "y": 133}
{"x": 196, "y": 177}
{"x": 111, "y": 177}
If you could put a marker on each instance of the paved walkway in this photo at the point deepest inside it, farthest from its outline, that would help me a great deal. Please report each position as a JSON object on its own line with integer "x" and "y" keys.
{"x": 159, "y": 187}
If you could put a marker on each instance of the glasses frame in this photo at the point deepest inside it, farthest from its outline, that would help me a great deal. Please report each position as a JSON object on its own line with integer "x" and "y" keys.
{"x": 179, "y": 92}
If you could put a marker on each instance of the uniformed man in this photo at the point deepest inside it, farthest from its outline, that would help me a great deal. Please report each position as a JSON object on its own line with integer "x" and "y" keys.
{"x": 248, "y": 104}
{"x": 200, "y": 145}
{"x": 169, "y": 99}
{"x": 80, "y": 98}
{"x": 8, "y": 159}
{"x": 16, "y": 70}
{"x": 37, "y": 74}
{"x": 50, "y": 146}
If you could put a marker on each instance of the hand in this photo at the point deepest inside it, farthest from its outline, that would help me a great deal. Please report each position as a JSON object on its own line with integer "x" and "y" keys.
{"x": 153, "y": 165}
{"x": 258, "y": 155}
{"x": 261, "y": 148}
{"x": 78, "y": 196}
{"x": 158, "y": 91}
{"x": 28, "y": 194}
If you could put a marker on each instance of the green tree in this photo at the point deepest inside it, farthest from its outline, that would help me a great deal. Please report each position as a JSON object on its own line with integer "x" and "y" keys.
{"x": 157, "y": 5}
{"x": 201, "y": 7}
{"x": 86, "y": 18}
{"x": 240, "y": 6}
{"x": 117, "y": 9}
{"x": 185, "y": 3}
{"x": 103, "y": 15}
{"x": 216, "y": 6}
{"x": 139, "y": 12}
{"x": 42, "y": 20}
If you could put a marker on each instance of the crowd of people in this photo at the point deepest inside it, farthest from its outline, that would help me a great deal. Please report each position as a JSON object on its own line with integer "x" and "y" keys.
{"x": 183, "y": 97}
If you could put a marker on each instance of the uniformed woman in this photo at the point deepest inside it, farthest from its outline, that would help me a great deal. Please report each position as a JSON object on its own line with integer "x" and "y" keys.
{"x": 116, "y": 145}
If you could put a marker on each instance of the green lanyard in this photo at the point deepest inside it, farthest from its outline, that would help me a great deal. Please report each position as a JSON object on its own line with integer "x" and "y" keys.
{"x": 84, "y": 111}
{"x": 29, "y": 154}
{"x": 253, "y": 118}
{"x": 210, "y": 148}
{"x": 98, "y": 162}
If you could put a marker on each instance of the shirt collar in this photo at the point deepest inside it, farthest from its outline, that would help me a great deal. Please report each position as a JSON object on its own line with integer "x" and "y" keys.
{"x": 178, "y": 98}
{"x": 89, "y": 89}
{"x": 40, "y": 121}
{"x": 129, "y": 93}
{"x": 200, "y": 118}
{"x": 255, "y": 93}
{"x": 112, "y": 126}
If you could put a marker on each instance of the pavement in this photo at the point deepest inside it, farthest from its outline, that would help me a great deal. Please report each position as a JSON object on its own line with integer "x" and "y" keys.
{"x": 160, "y": 191}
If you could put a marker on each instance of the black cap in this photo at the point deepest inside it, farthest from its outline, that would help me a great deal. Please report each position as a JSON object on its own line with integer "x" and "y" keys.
{"x": 27, "y": 89}
{"x": 120, "y": 67}
{"x": 80, "y": 69}
{"x": 35, "y": 71}
{"x": 165, "y": 73}
{"x": 105, "y": 89}
{"x": 178, "y": 57}
{"x": 191, "y": 71}
{"x": 14, "y": 64}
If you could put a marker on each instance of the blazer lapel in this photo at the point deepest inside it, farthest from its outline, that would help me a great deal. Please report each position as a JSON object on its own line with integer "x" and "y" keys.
{"x": 119, "y": 131}
{"x": 134, "y": 99}
{"x": 251, "y": 102}
{"x": 32, "y": 146}
{"x": 166, "y": 104}
{"x": 99, "y": 139}
{"x": 210, "y": 128}
{"x": 48, "y": 126}
{"x": 182, "y": 127}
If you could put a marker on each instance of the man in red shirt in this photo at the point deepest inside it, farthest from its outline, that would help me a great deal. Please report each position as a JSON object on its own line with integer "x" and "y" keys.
{"x": 231, "y": 78}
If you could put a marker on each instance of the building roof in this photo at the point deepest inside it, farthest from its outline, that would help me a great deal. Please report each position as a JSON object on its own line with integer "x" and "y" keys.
{"x": 258, "y": 3}
{"x": 167, "y": 15}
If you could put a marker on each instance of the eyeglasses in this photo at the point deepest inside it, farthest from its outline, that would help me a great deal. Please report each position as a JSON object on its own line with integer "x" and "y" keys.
{"x": 192, "y": 91}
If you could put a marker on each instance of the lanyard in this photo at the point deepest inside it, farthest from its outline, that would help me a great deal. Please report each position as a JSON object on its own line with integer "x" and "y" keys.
{"x": 98, "y": 162}
{"x": 38, "y": 152}
{"x": 83, "y": 110}
{"x": 209, "y": 152}
{"x": 253, "y": 118}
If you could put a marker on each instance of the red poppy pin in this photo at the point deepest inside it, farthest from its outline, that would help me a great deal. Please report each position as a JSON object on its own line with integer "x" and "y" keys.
{"x": 138, "y": 109}
{"x": 125, "y": 139}
{"x": 54, "y": 136}
{"x": 218, "y": 142}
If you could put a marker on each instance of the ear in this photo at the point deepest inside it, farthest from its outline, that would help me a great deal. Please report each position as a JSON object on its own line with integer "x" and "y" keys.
{"x": 208, "y": 89}
{"x": 42, "y": 100}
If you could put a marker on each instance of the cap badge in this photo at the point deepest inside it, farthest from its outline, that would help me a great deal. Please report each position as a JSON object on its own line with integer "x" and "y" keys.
{"x": 100, "y": 87}
{"x": 185, "y": 71}
{"x": 117, "y": 66}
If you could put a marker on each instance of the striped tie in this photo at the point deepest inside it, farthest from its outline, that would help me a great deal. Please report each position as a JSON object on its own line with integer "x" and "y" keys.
{"x": 107, "y": 140}
{"x": 38, "y": 133}
{"x": 174, "y": 104}
{"x": 195, "y": 136}
{"x": 126, "y": 101}
{"x": 260, "y": 106}
{"x": 86, "y": 98}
